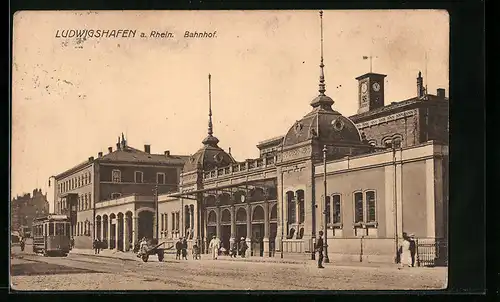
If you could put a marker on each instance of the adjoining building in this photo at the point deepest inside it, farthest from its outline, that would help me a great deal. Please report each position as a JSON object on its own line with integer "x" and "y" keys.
{"x": 25, "y": 208}
{"x": 109, "y": 193}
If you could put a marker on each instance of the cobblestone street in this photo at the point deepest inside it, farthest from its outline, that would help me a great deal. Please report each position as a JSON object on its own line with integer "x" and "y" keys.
{"x": 89, "y": 272}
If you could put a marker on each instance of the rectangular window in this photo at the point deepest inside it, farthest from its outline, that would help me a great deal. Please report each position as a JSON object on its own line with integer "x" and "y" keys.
{"x": 162, "y": 225}
{"x": 173, "y": 221}
{"x": 59, "y": 228}
{"x": 327, "y": 210}
{"x": 177, "y": 220}
{"x": 51, "y": 229}
{"x": 370, "y": 206}
{"x": 358, "y": 207}
{"x": 166, "y": 222}
{"x": 160, "y": 178}
{"x": 138, "y": 177}
{"x": 116, "y": 176}
{"x": 336, "y": 209}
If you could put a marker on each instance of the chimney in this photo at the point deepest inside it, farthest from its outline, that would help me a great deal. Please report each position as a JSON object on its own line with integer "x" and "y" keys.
{"x": 91, "y": 158}
{"x": 147, "y": 149}
{"x": 229, "y": 151}
{"x": 167, "y": 153}
{"x": 110, "y": 149}
{"x": 420, "y": 85}
{"x": 441, "y": 93}
{"x": 117, "y": 146}
{"x": 99, "y": 154}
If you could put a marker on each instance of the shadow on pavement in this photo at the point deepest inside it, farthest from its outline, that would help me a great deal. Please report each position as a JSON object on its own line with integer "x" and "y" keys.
{"x": 39, "y": 268}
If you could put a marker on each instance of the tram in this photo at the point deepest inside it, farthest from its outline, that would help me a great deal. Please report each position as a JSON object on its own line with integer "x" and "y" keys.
{"x": 51, "y": 235}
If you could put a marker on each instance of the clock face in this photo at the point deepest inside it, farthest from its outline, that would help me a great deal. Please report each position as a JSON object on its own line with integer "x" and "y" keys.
{"x": 364, "y": 87}
{"x": 376, "y": 86}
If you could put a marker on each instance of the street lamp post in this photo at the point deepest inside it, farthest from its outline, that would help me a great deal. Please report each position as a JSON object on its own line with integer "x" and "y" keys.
{"x": 396, "y": 239}
{"x": 325, "y": 212}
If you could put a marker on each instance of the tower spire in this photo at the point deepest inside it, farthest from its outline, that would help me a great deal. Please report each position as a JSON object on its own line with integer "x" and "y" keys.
{"x": 210, "y": 126}
{"x": 210, "y": 139}
{"x": 322, "y": 85}
{"x": 322, "y": 101}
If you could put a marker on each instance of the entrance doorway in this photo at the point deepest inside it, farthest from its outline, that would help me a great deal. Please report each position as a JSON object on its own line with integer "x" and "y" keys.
{"x": 225, "y": 235}
{"x": 145, "y": 228}
{"x": 257, "y": 239}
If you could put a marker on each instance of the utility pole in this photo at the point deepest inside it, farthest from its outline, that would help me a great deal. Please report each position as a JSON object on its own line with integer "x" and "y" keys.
{"x": 327, "y": 260}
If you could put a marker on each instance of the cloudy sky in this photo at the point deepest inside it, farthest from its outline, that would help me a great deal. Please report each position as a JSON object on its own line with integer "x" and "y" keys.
{"x": 72, "y": 99}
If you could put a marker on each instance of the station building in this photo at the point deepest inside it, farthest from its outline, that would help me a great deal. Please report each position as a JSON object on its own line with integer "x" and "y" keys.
{"x": 365, "y": 179}
{"x": 386, "y": 173}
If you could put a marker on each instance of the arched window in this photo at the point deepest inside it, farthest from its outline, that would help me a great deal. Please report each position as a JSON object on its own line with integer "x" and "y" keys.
{"x": 358, "y": 207}
{"x": 291, "y": 207}
{"x": 212, "y": 217}
{"x": 370, "y": 207}
{"x": 258, "y": 214}
{"x": 225, "y": 216}
{"x": 336, "y": 209}
{"x": 397, "y": 141}
{"x": 224, "y": 199}
{"x": 241, "y": 215}
{"x": 302, "y": 210}
{"x": 274, "y": 213}
{"x": 187, "y": 217}
{"x": 210, "y": 201}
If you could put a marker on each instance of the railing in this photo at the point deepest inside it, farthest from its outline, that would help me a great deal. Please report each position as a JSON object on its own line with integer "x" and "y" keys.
{"x": 431, "y": 252}
{"x": 249, "y": 165}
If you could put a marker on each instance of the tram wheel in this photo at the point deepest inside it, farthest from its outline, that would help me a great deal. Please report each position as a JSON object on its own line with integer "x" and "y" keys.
{"x": 145, "y": 258}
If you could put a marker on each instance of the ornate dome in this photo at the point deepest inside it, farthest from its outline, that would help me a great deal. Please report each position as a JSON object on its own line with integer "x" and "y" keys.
{"x": 325, "y": 124}
{"x": 209, "y": 157}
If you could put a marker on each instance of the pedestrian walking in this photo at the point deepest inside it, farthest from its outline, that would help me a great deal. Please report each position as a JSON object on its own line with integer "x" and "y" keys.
{"x": 184, "y": 249}
{"x": 319, "y": 249}
{"x": 233, "y": 249}
{"x": 214, "y": 246}
{"x": 413, "y": 248}
{"x": 196, "y": 251}
{"x": 96, "y": 246}
{"x": 72, "y": 243}
{"x": 243, "y": 247}
{"x": 178, "y": 248}
{"x": 405, "y": 258}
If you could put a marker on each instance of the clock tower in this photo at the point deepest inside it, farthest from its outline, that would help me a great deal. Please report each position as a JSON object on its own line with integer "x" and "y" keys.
{"x": 370, "y": 91}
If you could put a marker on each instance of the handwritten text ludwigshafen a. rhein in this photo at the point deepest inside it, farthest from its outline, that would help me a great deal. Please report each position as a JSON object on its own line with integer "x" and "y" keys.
{"x": 128, "y": 33}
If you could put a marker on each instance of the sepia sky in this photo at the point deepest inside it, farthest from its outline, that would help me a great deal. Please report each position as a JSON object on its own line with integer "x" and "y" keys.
{"x": 72, "y": 99}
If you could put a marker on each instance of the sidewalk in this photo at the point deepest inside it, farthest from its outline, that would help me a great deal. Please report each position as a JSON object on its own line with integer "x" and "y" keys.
{"x": 288, "y": 259}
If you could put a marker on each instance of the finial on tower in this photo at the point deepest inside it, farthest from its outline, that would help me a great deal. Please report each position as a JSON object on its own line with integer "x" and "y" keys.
{"x": 210, "y": 139}
{"x": 322, "y": 88}
{"x": 322, "y": 101}
{"x": 210, "y": 126}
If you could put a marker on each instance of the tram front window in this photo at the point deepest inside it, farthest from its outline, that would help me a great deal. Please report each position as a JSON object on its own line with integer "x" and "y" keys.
{"x": 51, "y": 229}
{"x": 59, "y": 229}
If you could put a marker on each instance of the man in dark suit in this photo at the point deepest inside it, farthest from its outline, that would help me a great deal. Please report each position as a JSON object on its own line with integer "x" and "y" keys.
{"x": 319, "y": 249}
